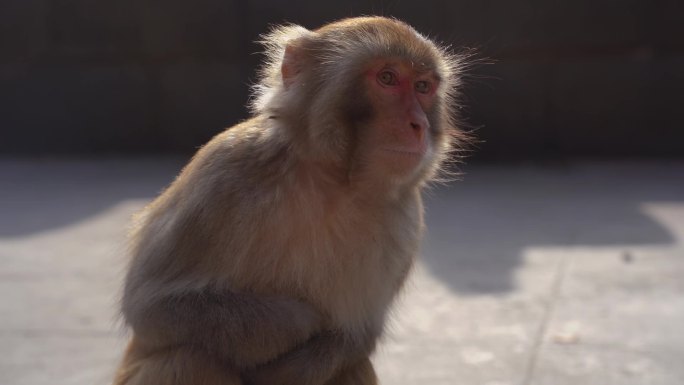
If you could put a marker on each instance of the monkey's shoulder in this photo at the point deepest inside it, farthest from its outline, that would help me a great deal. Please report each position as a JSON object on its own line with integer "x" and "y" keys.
{"x": 252, "y": 151}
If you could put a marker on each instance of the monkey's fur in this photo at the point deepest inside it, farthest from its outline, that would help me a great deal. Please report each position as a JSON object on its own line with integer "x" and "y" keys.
{"x": 273, "y": 257}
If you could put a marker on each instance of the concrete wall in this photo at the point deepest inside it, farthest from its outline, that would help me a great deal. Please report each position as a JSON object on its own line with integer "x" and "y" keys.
{"x": 571, "y": 78}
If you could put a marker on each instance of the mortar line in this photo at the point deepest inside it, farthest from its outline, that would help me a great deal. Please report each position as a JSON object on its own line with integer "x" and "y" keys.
{"x": 559, "y": 277}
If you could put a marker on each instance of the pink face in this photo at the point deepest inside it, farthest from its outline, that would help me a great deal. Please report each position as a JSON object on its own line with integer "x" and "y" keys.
{"x": 401, "y": 96}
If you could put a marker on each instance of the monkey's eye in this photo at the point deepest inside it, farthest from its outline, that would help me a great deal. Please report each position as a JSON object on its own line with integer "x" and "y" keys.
{"x": 387, "y": 78}
{"x": 423, "y": 87}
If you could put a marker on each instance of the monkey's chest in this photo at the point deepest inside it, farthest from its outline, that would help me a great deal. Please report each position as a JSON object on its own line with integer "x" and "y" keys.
{"x": 354, "y": 278}
{"x": 349, "y": 262}
{"x": 362, "y": 297}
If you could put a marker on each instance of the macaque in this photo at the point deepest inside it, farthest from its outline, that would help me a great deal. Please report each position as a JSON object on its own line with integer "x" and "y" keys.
{"x": 273, "y": 257}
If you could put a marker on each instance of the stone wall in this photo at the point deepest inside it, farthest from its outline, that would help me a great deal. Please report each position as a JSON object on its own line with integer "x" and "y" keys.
{"x": 569, "y": 78}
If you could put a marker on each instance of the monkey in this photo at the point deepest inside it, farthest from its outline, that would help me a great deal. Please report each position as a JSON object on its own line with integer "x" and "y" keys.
{"x": 274, "y": 256}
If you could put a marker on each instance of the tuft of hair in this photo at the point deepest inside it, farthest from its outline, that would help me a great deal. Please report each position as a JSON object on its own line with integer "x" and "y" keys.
{"x": 337, "y": 53}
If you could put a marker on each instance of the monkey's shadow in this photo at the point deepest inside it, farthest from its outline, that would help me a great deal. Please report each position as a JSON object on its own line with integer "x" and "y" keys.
{"x": 478, "y": 228}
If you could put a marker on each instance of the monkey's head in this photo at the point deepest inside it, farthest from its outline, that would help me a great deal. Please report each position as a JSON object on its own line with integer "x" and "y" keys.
{"x": 369, "y": 95}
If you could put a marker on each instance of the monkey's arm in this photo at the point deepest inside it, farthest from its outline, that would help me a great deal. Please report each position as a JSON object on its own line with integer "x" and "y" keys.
{"x": 242, "y": 328}
{"x": 315, "y": 362}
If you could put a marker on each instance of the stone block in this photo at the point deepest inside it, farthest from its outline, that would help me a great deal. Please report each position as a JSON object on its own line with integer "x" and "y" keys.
{"x": 176, "y": 28}
{"x": 67, "y": 108}
{"x": 616, "y": 107}
{"x": 198, "y": 100}
{"x": 23, "y": 28}
{"x": 505, "y": 105}
{"x": 94, "y": 29}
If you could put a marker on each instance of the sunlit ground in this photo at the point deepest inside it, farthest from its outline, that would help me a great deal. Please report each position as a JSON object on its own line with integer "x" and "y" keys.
{"x": 530, "y": 275}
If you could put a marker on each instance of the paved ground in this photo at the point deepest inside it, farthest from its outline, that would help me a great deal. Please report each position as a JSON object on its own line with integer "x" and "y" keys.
{"x": 531, "y": 275}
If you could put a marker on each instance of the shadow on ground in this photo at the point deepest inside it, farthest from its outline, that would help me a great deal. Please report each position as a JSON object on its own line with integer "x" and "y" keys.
{"x": 42, "y": 195}
{"x": 478, "y": 228}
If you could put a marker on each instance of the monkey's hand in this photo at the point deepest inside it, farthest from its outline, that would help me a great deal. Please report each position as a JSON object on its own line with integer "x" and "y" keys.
{"x": 265, "y": 332}
{"x": 244, "y": 329}
{"x": 314, "y": 363}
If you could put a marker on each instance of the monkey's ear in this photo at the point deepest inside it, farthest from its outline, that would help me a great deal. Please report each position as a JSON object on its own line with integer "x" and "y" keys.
{"x": 293, "y": 62}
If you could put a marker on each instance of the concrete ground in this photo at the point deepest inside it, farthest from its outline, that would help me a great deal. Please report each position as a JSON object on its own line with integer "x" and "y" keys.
{"x": 566, "y": 274}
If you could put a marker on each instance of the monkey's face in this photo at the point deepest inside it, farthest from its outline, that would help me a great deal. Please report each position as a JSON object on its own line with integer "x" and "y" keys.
{"x": 399, "y": 137}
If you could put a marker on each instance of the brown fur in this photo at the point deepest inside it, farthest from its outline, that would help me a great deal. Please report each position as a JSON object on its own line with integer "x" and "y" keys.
{"x": 274, "y": 256}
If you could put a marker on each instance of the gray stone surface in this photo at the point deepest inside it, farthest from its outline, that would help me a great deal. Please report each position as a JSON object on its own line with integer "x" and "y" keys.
{"x": 530, "y": 275}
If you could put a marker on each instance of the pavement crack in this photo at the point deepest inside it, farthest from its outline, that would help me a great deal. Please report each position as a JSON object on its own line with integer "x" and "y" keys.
{"x": 556, "y": 286}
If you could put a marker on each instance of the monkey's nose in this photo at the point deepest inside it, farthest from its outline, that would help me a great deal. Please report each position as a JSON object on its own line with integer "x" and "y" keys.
{"x": 418, "y": 120}
{"x": 418, "y": 130}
